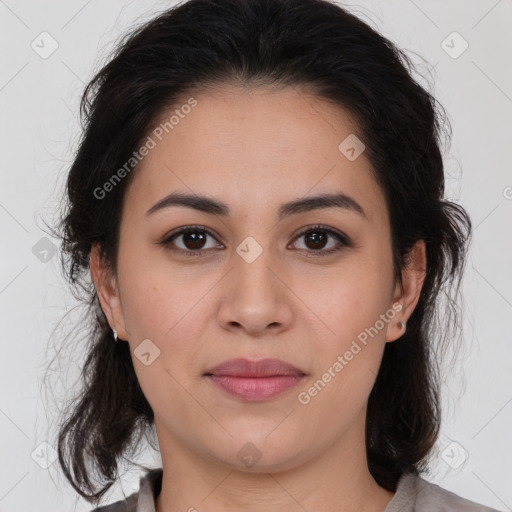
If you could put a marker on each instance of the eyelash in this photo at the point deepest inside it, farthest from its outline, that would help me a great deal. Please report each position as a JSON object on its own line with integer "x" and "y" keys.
{"x": 342, "y": 239}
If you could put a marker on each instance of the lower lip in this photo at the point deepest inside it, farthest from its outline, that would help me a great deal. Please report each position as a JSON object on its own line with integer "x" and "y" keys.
{"x": 256, "y": 389}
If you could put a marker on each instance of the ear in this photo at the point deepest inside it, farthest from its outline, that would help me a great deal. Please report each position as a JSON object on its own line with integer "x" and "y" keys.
{"x": 108, "y": 292}
{"x": 407, "y": 293}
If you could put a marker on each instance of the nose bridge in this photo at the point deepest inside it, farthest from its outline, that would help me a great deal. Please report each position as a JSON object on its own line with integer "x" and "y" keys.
{"x": 255, "y": 269}
{"x": 256, "y": 297}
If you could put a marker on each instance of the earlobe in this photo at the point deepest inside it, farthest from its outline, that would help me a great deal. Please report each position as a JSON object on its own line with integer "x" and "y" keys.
{"x": 108, "y": 293}
{"x": 407, "y": 292}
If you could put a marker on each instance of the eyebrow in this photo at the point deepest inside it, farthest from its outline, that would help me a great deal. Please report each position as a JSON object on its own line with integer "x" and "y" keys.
{"x": 215, "y": 207}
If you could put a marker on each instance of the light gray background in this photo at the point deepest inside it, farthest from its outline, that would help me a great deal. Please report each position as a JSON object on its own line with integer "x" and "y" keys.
{"x": 39, "y": 130}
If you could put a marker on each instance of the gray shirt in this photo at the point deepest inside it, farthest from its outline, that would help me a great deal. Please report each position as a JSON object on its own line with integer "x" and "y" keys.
{"x": 413, "y": 494}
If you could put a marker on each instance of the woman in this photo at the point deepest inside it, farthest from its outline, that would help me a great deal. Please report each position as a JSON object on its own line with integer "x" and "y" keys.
{"x": 258, "y": 199}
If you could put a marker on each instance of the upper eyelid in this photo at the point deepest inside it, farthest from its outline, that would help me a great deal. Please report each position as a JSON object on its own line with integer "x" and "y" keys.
{"x": 185, "y": 229}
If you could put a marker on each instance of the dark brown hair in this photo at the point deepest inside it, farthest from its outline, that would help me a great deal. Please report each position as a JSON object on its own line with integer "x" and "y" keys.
{"x": 311, "y": 43}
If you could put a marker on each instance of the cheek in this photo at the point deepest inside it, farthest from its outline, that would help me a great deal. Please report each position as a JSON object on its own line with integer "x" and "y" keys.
{"x": 157, "y": 296}
{"x": 348, "y": 349}
{"x": 352, "y": 297}
{"x": 172, "y": 310}
{"x": 158, "y": 309}
{"x": 352, "y": 313}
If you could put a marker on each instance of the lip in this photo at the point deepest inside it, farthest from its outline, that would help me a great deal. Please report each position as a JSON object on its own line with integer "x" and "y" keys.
{"x": 242, "y": 367}
{"x": 255, "y": 381}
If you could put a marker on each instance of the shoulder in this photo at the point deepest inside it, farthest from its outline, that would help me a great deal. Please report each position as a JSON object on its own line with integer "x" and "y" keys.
{"x": 142, "y": 500}
{"x": 433, "y": 497}
{"x": 414, "y": 493}
{"x": 127, "y": 505}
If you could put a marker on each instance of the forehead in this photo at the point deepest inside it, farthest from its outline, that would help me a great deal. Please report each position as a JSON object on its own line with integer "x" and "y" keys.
{"x": 253, "y": 147}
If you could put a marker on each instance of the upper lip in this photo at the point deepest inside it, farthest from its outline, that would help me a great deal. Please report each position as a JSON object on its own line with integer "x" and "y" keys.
{"x": 246, "y": 368}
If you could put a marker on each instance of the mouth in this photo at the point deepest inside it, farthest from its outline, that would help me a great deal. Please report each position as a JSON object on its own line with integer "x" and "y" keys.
{"x": 255, "y": 381}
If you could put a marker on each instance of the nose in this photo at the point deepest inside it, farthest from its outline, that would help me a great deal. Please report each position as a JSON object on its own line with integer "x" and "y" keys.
{"x": 255, "y": 297}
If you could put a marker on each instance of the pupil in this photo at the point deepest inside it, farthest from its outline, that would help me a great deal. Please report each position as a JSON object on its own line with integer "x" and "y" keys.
{"x": 194, "y": 240}
{"x": 318, "y": 239}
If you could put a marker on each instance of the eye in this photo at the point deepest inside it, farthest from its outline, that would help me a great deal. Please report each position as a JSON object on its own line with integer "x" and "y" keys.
{"x": 317, "y": 238}
{"x": 193, "y": 240}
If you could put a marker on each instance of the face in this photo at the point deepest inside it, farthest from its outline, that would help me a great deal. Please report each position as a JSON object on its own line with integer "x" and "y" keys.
{"x": 312, "y": 287}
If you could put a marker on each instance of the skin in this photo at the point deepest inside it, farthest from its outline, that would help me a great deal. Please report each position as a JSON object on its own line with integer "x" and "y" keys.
{"x": 240, "y": 146}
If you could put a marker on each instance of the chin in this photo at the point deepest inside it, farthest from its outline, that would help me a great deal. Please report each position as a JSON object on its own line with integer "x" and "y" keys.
{"x": 259, "y": 454}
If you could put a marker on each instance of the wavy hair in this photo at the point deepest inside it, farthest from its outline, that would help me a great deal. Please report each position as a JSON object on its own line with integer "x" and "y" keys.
{"x": 252, "y": 43}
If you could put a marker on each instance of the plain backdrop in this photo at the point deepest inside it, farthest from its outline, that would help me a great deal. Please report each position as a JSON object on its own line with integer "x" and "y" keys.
{"x": 49, "y": 52}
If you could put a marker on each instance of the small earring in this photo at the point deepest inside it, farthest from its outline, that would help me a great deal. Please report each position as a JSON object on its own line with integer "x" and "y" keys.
{"x": 115, "y": 334}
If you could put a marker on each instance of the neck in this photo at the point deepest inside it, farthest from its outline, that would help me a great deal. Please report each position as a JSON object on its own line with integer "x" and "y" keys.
{"x": 335, "y": 480}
